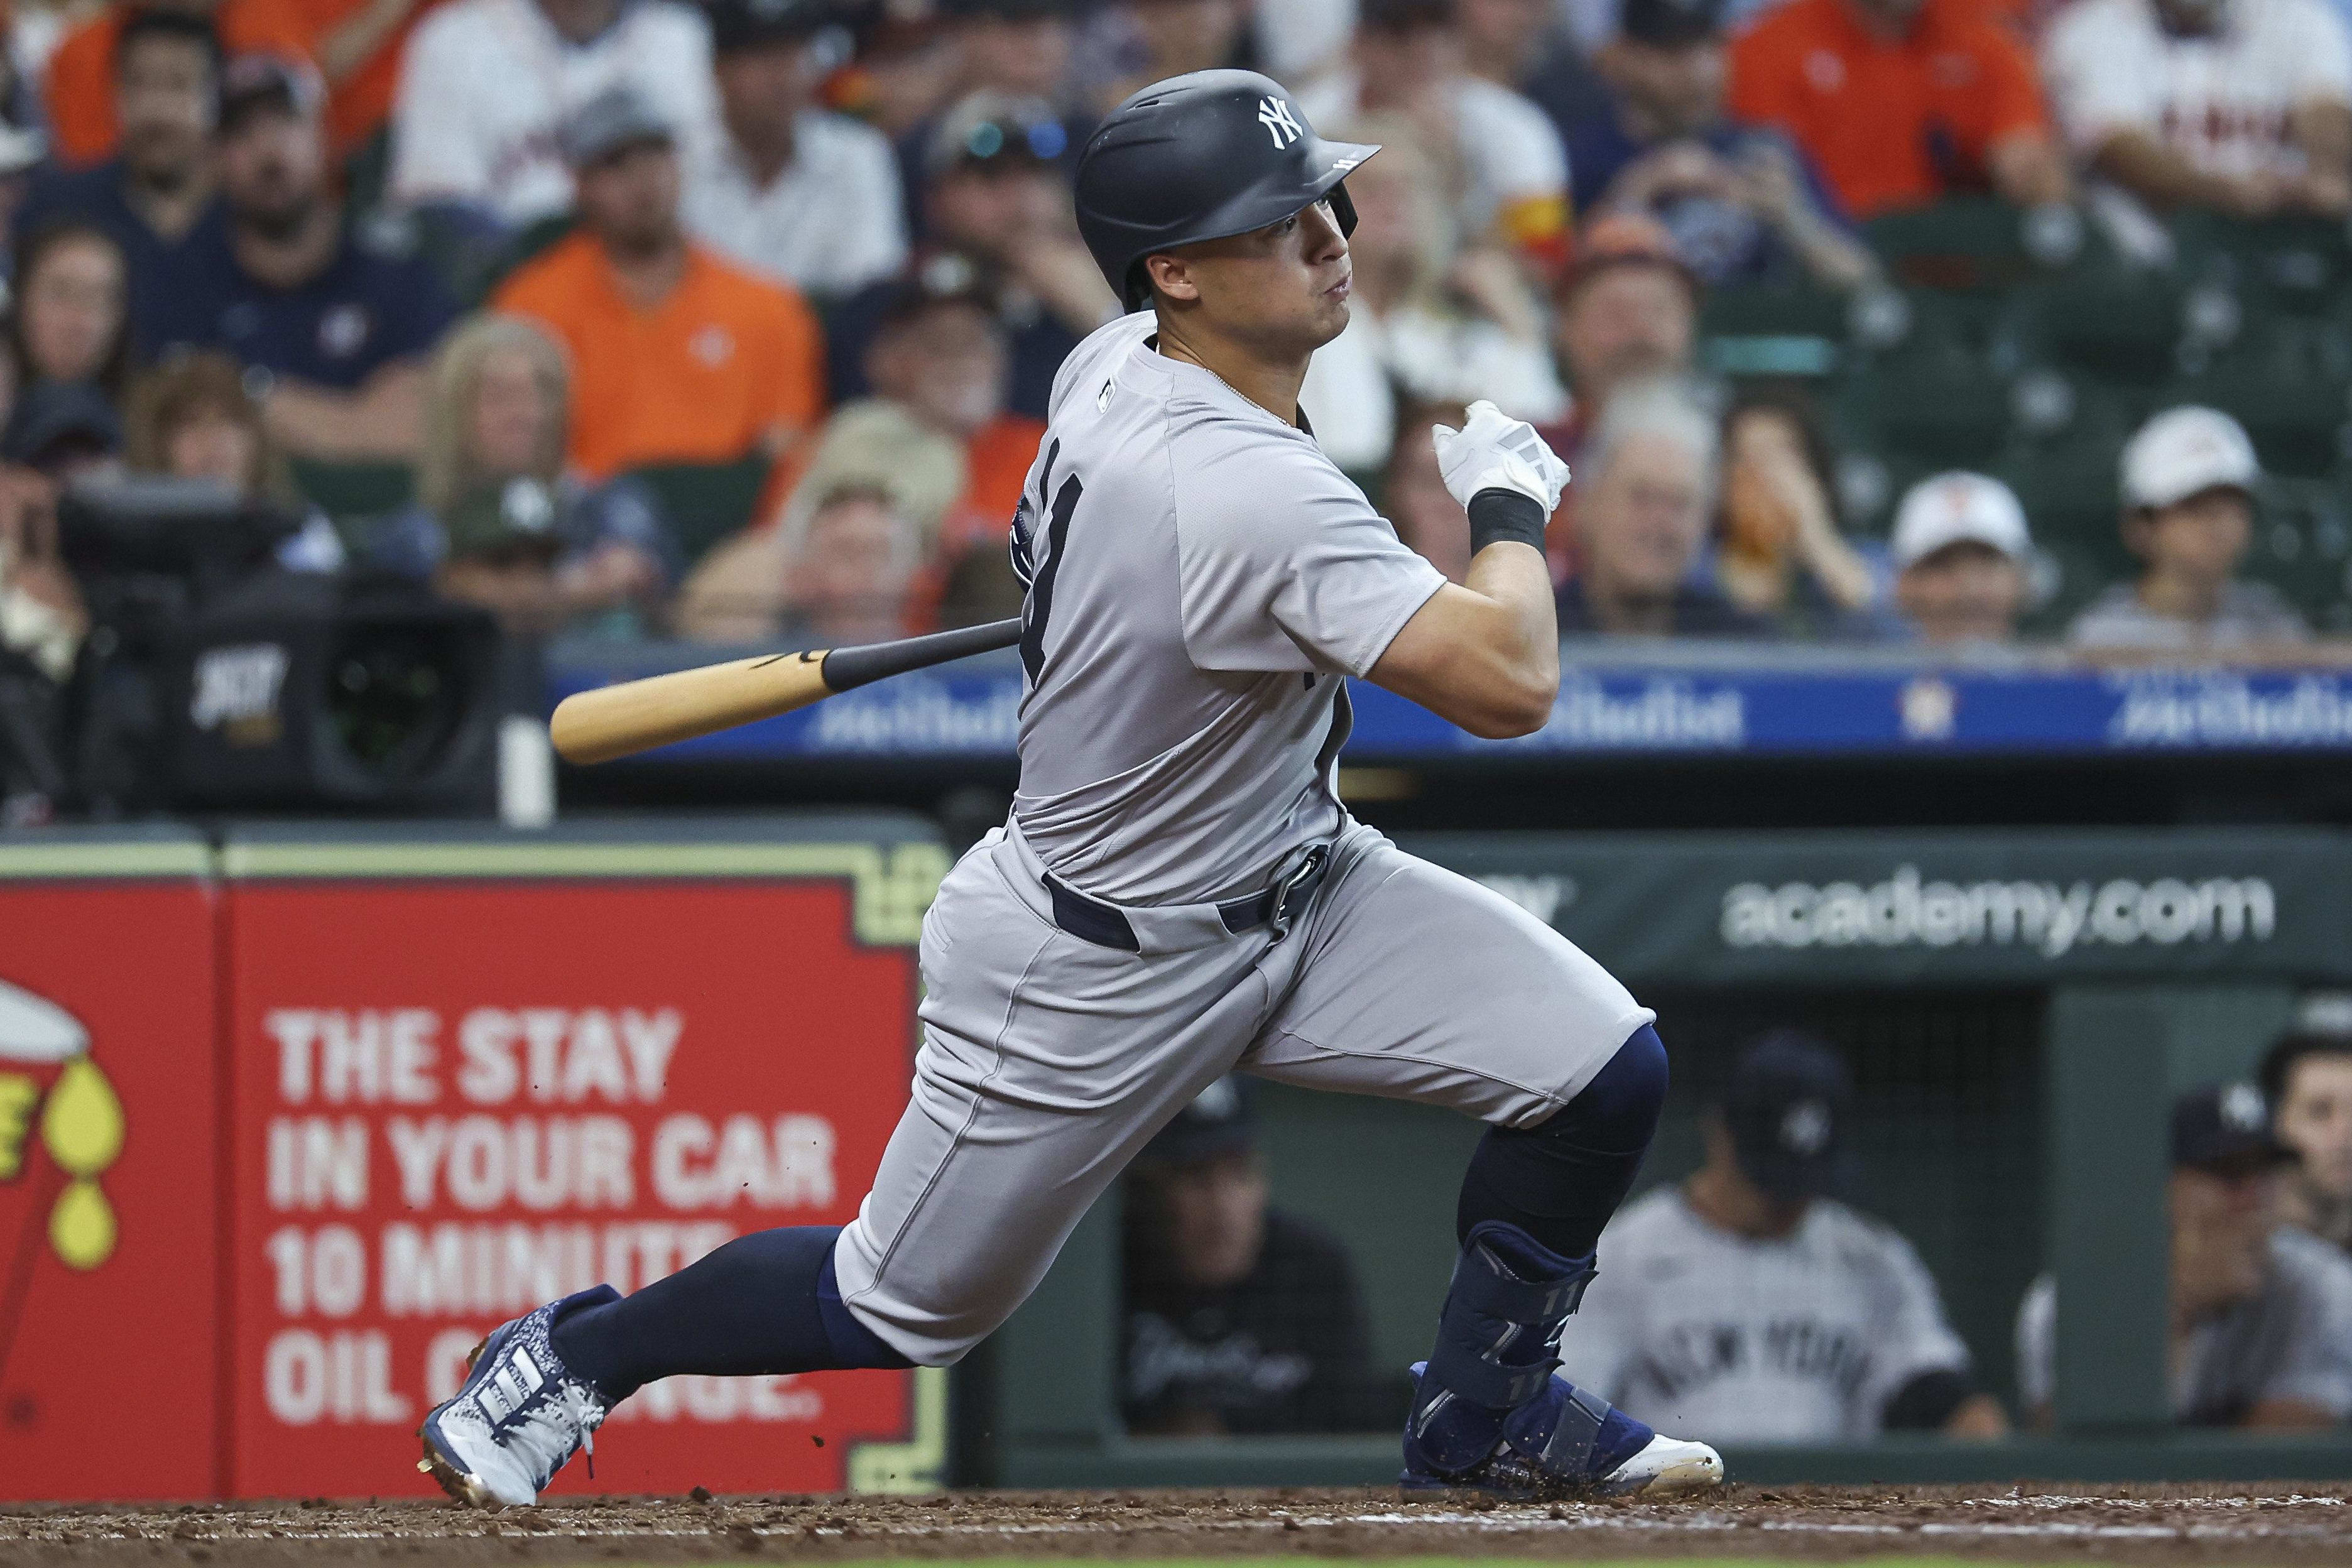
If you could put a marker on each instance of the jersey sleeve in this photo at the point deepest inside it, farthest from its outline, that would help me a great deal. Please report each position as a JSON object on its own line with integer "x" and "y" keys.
{"x": 2318, "y": 58}
{"x": 1282, "y": 565}
{"x": 436, "y": 150}
{"x": 2316, "y": 1367}
{"x": 2098, "y": 82}
{"x": 1914, "y": 1336}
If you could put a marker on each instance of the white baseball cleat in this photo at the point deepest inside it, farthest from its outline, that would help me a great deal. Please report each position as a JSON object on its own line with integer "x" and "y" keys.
{"x": 519, "y": 1416}
{"x": 1665, "y": 1468}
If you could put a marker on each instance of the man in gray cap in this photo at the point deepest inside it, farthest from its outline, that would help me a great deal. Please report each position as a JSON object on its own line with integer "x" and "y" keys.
{"x": 678, "y": 355}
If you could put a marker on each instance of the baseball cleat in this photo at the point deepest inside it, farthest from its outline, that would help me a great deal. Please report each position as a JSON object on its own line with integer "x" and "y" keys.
{"x": 1563, "y": 1443}
{"x": 1665, "y": 1468}
{"x": 518, "y": 1417}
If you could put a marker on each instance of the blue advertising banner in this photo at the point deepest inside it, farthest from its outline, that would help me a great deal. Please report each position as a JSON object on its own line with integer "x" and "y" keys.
{"x": 973, "y": 710}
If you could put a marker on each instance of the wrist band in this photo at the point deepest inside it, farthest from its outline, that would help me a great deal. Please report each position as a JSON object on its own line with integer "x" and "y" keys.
{"x": 1499, "y": 514}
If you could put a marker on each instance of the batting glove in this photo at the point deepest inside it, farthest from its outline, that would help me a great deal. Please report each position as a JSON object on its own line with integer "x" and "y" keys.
{"x": 1493, "y": 451}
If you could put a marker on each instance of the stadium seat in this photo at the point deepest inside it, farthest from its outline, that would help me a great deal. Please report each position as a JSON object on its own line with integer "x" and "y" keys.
{"x": 2068, "y": 490}
{"x": 1944, "y": 409}
{"x": 2121, "y": 324}
{"x": 705, "y": 503}
{"x": 2303, "y": 542}
{"x": 2287, "y": 379}
{"x": 2294, "y": 263}
{"x": 344, "y": 490}
{"x": 1974, "y": 242}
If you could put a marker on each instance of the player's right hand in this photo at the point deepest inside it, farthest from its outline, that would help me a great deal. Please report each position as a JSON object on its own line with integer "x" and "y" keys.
{"x": 1493, "y": 451}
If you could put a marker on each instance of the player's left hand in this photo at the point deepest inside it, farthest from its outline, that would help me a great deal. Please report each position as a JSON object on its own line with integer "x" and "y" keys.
{"x": 1493, "y": 451}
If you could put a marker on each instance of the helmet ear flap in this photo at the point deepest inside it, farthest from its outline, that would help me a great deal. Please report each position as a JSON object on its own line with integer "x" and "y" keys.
{"x": 1343, "y": 207}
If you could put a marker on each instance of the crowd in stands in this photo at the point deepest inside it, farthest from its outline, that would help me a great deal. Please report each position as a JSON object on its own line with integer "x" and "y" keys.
{"x": 736, "y": 321}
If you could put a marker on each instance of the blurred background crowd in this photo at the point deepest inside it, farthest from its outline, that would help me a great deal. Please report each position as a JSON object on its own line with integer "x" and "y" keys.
{"x": 1953, "y": 321}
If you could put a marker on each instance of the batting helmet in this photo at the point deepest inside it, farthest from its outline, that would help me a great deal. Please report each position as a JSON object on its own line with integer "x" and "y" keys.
{"x": 1202, "y": 156}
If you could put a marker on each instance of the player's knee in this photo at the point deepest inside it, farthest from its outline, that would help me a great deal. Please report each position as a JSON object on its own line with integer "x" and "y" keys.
{"x": 1618, "y": 1109}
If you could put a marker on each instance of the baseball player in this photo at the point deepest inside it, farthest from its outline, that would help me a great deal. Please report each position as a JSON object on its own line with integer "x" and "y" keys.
{"x": 1179, "y": 892}
{"x": 1749, "y": 1298}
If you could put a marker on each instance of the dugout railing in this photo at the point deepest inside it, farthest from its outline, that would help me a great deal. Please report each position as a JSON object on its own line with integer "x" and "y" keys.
{"x": 2020, "y": 1008}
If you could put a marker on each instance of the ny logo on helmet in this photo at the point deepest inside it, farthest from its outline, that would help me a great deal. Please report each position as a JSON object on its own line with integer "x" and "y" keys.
{"x": 1276, "y": 116}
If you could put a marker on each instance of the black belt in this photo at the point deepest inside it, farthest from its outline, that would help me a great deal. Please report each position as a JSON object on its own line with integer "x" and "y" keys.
{"x": 1107, "y": 925}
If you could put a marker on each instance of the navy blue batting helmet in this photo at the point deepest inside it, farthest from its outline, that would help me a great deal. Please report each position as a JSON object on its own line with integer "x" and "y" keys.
{"x": 1203, "y": 156}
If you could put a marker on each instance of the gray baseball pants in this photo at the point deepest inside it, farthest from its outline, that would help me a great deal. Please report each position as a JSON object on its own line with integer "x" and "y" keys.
{"x": 1049, "y": 1061}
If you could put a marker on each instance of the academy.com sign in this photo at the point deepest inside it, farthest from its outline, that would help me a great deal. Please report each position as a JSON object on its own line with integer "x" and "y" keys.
{"x": 2051, "y": 919}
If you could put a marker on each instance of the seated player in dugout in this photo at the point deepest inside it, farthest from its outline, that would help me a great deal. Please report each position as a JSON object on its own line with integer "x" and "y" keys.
{"x": 2262, "y": 1313}
{"x": 1752, "y": 1300}
{"x": 2307, "y": 1077}
{"x": 1179, "y": 892}
{"x": 1237, "y": 1317}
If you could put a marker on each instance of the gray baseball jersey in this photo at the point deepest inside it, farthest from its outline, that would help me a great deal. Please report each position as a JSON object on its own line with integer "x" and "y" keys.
{"x": 1802, "y": 1339}
{"x": 1199, "y": 575}
{"x": 1200, "y": 579}
{"x": 2291, "y": 1340}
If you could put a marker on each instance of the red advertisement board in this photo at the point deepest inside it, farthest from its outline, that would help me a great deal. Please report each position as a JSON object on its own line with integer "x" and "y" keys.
{"x": 109, "y": 1184}
{"x": 456, "y": 1100}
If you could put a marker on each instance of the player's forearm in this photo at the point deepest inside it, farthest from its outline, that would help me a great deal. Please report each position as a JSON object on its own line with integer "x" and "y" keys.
{"x": 1485, "y": 655}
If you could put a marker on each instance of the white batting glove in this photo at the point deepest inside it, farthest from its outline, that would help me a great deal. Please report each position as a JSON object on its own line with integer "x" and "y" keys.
{"x": 1493, "y": 451}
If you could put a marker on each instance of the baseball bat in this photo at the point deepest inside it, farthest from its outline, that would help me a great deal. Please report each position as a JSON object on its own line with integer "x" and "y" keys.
{"x": 639, "y": 715}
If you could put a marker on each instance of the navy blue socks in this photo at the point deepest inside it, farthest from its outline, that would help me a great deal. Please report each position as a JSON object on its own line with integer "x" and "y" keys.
{"x": 1560, "y": 1181}
{"x": 764, "y": 1303}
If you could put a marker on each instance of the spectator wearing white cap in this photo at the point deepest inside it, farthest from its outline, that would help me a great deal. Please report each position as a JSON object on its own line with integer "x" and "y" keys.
{"x": 1961, "y": 552}
{"x": 2189, "y": 513}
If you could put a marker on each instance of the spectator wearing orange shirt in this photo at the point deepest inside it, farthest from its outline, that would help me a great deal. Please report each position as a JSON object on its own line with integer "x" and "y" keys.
{"x": 80, "y": 86}
{"x": 1899, "y": 103}
{"x": 678, "y": 356}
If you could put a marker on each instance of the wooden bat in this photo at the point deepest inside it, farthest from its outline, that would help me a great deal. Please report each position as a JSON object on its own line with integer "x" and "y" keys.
{"x": 639, "y": 715}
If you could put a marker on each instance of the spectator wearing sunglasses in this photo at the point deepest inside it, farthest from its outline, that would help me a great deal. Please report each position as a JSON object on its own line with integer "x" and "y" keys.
{"x": 994, "y": 198}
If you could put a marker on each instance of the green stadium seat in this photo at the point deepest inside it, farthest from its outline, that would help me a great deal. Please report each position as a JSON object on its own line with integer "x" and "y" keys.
{"x": 2289, "y": 381}
{"x": 2294, "y": 263}
{"x": 705, "y": 503}
{"x": 2068, "y": 490}
{"x": 2120, "y": 324}
{"x": 1944, "y": 409}
{"x": 344, "y": 490}
{"x": 1870, "y": 486}
{"x": 1975, "y": 244}
{"x": 2303, "y": 538}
